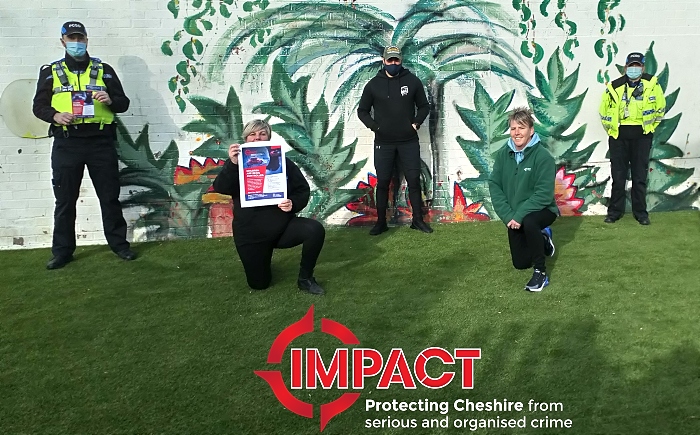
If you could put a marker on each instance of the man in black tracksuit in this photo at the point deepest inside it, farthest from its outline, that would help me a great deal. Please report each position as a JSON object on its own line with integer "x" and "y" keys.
{"x": 395, "y": 94}
{"x": 66, "y": 89}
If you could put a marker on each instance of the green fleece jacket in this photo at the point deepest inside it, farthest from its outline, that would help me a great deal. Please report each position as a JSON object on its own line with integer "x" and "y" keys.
{"x": 518, "y": 189}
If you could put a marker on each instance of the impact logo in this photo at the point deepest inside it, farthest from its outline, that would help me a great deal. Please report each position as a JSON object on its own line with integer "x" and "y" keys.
{"x": 350, "y": 367}
{"x": 404, "y": 91}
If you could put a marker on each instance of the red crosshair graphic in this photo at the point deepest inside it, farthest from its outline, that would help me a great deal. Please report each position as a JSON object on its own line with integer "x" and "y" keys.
{"x": 274, "y": 377}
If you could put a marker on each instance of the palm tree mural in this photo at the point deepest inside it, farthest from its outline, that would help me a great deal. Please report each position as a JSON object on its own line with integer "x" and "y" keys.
{"x": 300, "y": 33}
{"x": 320, "y": 153}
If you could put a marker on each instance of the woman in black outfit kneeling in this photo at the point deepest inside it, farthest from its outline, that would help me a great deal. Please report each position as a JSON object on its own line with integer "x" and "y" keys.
{"x": 257, "y": 231}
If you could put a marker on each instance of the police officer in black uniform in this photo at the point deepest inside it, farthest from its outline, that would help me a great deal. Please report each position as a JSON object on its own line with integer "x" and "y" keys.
{"x": 78, "y": 96}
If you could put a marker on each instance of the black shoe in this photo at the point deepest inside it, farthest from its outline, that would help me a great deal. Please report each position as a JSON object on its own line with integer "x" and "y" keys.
{"x": 538, "y": 281}
{"x": 310, "y": 286}
{"x": 644, "y": 221}
{"x": 378, "y": 228}
{"x": 58, "y": 262}
{"x": 420, "y": 225}
{"x": 127, "y": 254}
{"x": 610, "y": 220}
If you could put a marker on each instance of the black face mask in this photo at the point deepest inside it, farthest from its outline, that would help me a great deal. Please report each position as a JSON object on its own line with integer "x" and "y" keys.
{"x": 393, "y": 70}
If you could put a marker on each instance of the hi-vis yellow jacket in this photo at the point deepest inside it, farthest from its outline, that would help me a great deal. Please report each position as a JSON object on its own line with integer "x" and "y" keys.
{"x": 66, "y": 81}
{"x": 612, "y": 106}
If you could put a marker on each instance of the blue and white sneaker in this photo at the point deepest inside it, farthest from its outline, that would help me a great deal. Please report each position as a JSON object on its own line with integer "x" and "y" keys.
{"x": 538, "y": 281}
{"x": 548, "y": 242}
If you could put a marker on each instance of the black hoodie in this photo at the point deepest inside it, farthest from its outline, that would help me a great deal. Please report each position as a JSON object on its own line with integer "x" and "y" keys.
{"x": 394, "y": 100}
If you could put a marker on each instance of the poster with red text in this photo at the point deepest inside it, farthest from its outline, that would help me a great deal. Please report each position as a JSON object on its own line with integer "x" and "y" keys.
{"x": 262, "y": 174}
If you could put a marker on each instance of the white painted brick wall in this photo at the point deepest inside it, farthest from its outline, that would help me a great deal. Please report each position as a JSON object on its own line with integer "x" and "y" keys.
{"x": 128, "y": 35}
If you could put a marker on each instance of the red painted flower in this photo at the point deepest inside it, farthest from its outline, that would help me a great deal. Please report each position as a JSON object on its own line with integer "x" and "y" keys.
{"x": 461, "y": 212}
{"x": 366, "y": 207}
{"x": 565, "y": 194}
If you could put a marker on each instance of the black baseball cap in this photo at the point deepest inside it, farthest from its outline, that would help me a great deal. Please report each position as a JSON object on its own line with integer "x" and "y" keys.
{"x": 635, "y": 58}
{"x": 72, "y": 27}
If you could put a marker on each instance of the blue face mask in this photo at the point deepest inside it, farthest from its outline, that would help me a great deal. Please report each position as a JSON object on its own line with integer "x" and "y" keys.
{"x": 393, "y": 69}
{"x": 634, "y": 72}
{"x": 76, "y": 49}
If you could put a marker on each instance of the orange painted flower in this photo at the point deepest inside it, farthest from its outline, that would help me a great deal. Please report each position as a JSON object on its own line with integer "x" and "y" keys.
{"x": 565, "y": 194}
{"x": 184, "y": 175}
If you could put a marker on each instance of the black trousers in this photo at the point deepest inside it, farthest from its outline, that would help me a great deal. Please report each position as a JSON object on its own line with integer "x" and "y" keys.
{"x": 257, "y": 257}
{"x": 408, "y": 157}
{"x": 69, "y": 156}
{"x": 629, "y": 155}
{"x": 527, "y": 242}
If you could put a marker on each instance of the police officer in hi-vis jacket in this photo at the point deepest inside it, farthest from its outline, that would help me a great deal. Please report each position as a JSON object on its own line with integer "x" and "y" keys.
{"x": 79, "y": 95}
{"x": 632, "y": 107}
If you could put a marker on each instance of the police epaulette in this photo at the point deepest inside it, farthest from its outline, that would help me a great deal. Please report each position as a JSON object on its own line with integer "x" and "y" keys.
{"x": 618, "y": 82}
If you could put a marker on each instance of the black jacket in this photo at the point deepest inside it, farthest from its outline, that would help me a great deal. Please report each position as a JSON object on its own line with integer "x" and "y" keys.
{"x": 264, "y": 223}
{"x": 44, "y": 92}
{"x": 394, "y": 100}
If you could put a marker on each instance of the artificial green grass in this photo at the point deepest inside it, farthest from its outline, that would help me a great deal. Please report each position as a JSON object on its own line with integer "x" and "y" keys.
{"x": 168, "y": 343}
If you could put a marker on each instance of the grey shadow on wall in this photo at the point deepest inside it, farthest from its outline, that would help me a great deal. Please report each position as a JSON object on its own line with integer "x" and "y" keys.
{"x": 147, "y": 104}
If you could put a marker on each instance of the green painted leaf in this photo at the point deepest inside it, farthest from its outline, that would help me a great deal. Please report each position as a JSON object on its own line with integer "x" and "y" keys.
{"x": 177, "y": 36}
{"x": 207, "y": 25}
{"x": 612, "y": 24}
{"x": 172, "y": 84}
{"x": 543, "y": 85}
{"x": 197, "y": 3}
{"x": 602, "y": 9}
{"x": 671, "y": 100}
{"x": 662, "y": 78}
{"x": 223, "y": 10}
{"x": 543, "y": 8}
{"x": 568, "y": 48}
{"x": 248, "y": 7}
{"x": 622, "y": 22}
{"x": 665, "y": 151}
{"x": 165, "y": 48}
{"x": 174, "y": 8}
{"x": 213, "y": 148}
{"x": 664, "y": 202}
{"x": 598, "y": 47}
{"x": 525, "y": 48}
{"x": 182, "y": 69}
{"x": 180, "y": 103}
{"x": 650, "y": 64}
{"x": 539, "y": 53}
{"x": 559, "y": 20}
{"x": 188, "y": 51}
{"x": 198, "y": 46}
{"x": 662, "y": 177}
{"x": 190, "y": 23}
{"x": 665, "y": 129}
